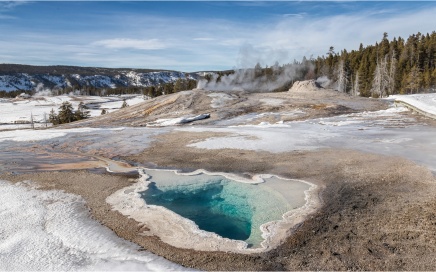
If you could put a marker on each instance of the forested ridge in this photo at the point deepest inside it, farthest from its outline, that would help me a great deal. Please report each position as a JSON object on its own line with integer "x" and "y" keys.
{"x": 396, "y": 66}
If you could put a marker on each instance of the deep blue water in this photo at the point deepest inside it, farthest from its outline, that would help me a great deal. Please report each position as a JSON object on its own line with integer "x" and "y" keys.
{"x": 208, "y": 205}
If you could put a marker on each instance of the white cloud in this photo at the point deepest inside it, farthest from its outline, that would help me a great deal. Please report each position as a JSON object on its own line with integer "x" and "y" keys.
{"x": 9, "y": 5}
{"x": 204, "y": 39}
{"x": 312, "y": 35}
{"x": 119, "y": 43}
{"x": 298, "y": 15}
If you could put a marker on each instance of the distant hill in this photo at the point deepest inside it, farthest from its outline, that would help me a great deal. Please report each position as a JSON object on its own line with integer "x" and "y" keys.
{"x": 15, "y": 77}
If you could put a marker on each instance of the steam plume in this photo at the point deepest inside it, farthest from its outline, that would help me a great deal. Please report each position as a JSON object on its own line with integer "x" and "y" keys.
{"x": 41, "y": 91}
{"x": 258, "y": 79}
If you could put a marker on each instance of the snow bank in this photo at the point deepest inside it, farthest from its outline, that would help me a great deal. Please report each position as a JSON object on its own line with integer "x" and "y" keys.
{"x": 53, "y": 230}
{"x": 177, "y": 121}
{"x": 423, "y": 102}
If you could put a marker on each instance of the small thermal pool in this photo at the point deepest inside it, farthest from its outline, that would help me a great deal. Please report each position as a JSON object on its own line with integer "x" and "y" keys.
{"x": 231, "y": 209}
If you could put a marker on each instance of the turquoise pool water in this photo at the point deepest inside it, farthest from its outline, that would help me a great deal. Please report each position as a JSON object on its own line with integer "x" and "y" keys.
{"x": 208, "y": 205}
{"x": 226, "y": 207}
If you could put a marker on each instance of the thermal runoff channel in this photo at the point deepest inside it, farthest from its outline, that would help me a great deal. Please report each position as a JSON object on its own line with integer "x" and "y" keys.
{"x": 231, "y": 209}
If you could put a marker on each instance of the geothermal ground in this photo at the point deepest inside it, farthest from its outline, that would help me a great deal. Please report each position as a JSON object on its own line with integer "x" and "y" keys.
{"x": 373, "y": 165}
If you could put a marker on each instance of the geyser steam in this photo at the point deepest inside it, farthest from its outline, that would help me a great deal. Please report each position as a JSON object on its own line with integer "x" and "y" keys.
{"x": 258, "y": 79}
{"x": 261, "y": 78}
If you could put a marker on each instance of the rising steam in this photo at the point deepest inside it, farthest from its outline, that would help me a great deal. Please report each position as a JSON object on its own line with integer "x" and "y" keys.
{"x": 41, "y": 91}
{"x": 257, "y": 79}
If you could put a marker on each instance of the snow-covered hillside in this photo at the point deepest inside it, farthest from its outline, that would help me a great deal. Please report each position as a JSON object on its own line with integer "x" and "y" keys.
{"x": 119, "y": 78}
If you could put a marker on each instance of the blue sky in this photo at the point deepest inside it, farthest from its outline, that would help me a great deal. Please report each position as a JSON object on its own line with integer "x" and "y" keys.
{"x": 193, "y": 36}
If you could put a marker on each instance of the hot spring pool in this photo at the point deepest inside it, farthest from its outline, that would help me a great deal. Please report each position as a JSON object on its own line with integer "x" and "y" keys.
{"x": 231, "y": 209}
{"x": 212, "y": 212}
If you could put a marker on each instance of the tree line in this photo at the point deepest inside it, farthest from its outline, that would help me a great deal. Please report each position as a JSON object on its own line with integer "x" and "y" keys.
{"x": 397, "y": 66}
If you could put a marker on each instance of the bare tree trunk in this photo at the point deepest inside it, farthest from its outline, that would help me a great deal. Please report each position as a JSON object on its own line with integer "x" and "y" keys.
{"x": 356, "y": 90}
{"x": 376, "y": 83}
{"x": 381, "y": 79}
{"x": 392, "y": 72}
{"x": 342, "y": 77}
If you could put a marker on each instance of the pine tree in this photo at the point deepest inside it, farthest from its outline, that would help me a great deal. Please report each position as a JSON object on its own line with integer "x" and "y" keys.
{"x": 413, "y": 80}
{"x": 81, "y": 112}
{"x": 180, "y": 85}
{"x": 53, "y": 117}
{"x": 66, "y": 114}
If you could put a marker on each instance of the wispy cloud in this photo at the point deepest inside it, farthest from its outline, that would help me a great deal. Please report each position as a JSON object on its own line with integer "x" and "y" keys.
{"x": 204, "y": 39}
{"x": 9, "y": 5}
{"x": 120, "y": 43}
{"x": 298, "y": 15}
{"x": 314, "y": 35}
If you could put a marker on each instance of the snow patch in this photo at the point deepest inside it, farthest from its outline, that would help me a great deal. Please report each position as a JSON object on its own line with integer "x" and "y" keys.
{"x": 177, "y": 121}
{"x": 30, "y": 135}
{"x": 272, "y": 101}
{"x": 53, "y": 230}
{"x": 275, "y": 138}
